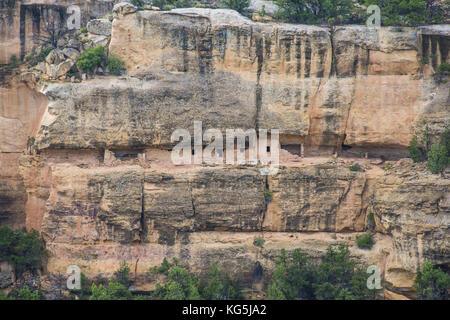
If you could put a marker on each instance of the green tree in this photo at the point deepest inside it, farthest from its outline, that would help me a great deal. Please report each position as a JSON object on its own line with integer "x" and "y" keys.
{"x": 292, "y": 278}
{"x": 364, "y": 241}
{"x": 339, "y": 278}
{"x": 432, "y": 283}
{"x": 113, "y": 291}
{"x": 415, "y": 152}
{"x": 437, "y": 158}
{"x": 23, "y": 250}
{"x": 91, "y": 59}
{"x": 181, "y": 285}
{"x": 26, "y": 294}
{"x": 218, "y": 285}
{"x": 123, "y": 274}
{"x": 445, "y": 141}
{"x": 115, "y": 64}
{"x": 316, "y": 11}
{"x": 13, "y": 62}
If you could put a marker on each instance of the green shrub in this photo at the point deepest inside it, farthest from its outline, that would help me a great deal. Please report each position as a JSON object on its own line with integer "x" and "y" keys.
{"x": 371, "y": 220}
{"x": 123, "y": 274}
{"x": 432, "y": 283}
{"x": 355, "y": 167}
{"x": 26, "y": 294}
{"x": 23, "y": 250}
{"x": 268, "y": 195}
{"x": 84, "y": 30}
{"x": 364, "y": 241}
{"x": 388, "y": 167}
{"x": 115, "y": 64}
{"x": 262, "y": 12}
{"x": 445, "y": 140}
{"x": 13, "y": 62}
{"x": 238, "y": 5}
{"x": 258, "y": 242}
{"x": 22, "y": 294}
{"x": 438, "y": 158}
{"x": 415, "y": 152}
{"x": 33, "y": 58}
{"x": 91, "y": 59}
{"x": 164, "y": 268}
{"x": 444, "y": 69}
{"x": 113, "y": 291}
{"x": 3, "y": 296}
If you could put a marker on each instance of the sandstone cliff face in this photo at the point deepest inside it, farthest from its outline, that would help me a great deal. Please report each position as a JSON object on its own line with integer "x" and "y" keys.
{"x": 321, "y": 87}
{"x": 318, "y": 86}
{"x": 413, "y": 207}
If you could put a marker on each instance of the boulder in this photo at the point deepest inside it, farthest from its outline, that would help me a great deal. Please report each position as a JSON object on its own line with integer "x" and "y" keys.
{"x": 100, "y": 27}
{"x": 71, "y": 53}
{"x": 124, "y": 8}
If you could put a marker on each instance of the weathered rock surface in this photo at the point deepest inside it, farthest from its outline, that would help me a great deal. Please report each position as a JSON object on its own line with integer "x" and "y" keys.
{"x": 157, "y": 212}
{"x": 317, "y": 198}
{"x": 139, "y": 113}
{"x": 101, "y": 27}
{"x": 414, "y": 207}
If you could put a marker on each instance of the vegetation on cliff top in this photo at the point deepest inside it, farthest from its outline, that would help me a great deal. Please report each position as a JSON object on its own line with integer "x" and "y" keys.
{"x": 395, "y": 12}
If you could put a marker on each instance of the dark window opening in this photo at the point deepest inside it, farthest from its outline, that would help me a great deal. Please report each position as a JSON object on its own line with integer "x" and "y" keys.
{"x": 126, "y": 154}
{"x": 268, "y": 148}
{"x": 293, "y": 148}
